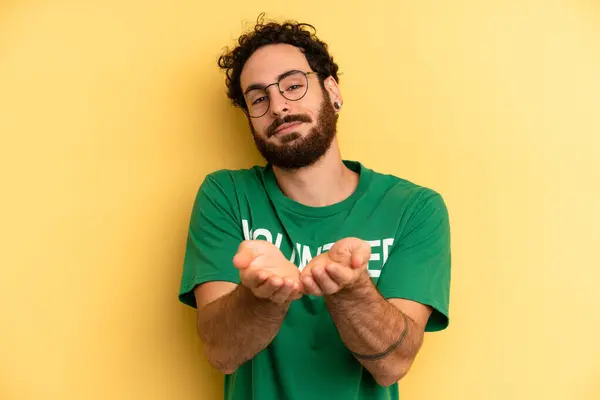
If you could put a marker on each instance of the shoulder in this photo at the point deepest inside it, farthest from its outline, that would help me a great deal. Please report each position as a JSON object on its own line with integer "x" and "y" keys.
{"x": 406, "y": 192}
{"x": 223, "y": 187}
{"x": 225, "y": 182}
{"x": 411, "y": 200}
{"x": 229, "y": 177}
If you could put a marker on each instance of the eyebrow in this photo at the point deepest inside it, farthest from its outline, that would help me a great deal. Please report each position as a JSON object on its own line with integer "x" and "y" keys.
{"x": 262, "y": 85}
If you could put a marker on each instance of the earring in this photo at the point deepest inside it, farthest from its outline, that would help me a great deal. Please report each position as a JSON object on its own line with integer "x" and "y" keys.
{"x": 337, "y": 105}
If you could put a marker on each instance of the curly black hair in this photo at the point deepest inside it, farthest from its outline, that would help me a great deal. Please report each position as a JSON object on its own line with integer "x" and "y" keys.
{"x": 301, "y": 35}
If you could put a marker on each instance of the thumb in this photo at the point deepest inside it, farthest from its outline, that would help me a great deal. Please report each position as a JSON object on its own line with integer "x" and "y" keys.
{"x": 361, "y": 253}
{"x": 243, "y": 259}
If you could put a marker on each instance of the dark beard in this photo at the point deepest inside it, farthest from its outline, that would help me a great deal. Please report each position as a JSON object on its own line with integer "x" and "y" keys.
{"x": 301, "y": 152}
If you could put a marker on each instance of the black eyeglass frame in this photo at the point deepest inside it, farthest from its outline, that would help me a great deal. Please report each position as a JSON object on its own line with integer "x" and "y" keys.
{"x": 285, "y": 75}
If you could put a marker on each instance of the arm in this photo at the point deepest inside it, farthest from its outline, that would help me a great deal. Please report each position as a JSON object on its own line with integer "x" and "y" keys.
{"x": 389, "y": 333}
{"x": 384, "y": 336}
{"x": 237, "y": 325}
{"x": 237, "y": 322}
{"x": 234, "y": 322}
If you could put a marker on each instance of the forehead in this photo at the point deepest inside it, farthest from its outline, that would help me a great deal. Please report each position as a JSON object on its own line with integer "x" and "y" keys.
{"x": 266, "y": 63}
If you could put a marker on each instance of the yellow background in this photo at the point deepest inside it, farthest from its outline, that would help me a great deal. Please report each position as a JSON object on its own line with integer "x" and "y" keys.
{"x": 112, "y": 112}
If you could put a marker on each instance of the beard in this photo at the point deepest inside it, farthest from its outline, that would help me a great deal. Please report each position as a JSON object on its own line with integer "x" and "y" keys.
{"x": 297, "y": 152}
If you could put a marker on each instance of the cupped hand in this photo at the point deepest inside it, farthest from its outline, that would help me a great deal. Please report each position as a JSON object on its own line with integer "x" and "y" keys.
{"x": 339, "y": 268}
{"x": 267, "y": 273}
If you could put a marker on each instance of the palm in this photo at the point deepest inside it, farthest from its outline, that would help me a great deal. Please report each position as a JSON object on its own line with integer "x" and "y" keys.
{"x": 265, "y": 271}
{"x": 274, "y": 264}
{"x": 340, "y": 267}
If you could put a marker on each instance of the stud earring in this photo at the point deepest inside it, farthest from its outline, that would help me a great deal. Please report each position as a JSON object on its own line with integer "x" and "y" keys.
{"x": 337, "y": 105}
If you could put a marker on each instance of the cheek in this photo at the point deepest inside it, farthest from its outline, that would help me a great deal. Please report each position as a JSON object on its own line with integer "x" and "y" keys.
{"x": 313, "y": 107}
{"x": 261, "y": 125}
{"x": 256, "y": 125}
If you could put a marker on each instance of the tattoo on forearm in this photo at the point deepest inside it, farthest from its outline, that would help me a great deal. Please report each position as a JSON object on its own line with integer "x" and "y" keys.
{"x": 389, "y": 350}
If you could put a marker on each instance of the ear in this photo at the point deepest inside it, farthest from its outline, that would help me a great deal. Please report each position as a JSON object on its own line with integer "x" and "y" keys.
{"x": 334, "y": 91}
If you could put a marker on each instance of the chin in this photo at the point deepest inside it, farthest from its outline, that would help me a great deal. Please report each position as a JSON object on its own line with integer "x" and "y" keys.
{"x": 289, "y": 137}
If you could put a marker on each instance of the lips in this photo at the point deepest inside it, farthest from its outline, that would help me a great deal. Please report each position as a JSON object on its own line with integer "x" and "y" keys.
{"x": 285, "y": 126}
{"x": 286, "y": 122}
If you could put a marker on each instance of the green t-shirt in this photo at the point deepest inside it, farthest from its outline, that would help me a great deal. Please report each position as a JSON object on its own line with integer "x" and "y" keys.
{"x": 407, "y": 227}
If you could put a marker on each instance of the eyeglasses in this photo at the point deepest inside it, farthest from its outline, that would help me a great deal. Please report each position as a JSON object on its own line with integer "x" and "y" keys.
{"x": 292, "y": 85}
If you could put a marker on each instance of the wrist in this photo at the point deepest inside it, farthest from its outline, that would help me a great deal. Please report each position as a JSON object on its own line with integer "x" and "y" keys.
{"x": 262, "y": 307}
{"x": 356, "y": 290}
{"x": 362, "y": 283}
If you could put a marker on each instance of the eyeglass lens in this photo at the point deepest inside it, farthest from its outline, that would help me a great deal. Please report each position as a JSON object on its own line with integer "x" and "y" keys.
{"x": 293, "y": 87}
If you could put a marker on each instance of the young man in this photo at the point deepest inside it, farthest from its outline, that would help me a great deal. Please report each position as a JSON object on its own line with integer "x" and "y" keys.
{"x": 314, "y": 277}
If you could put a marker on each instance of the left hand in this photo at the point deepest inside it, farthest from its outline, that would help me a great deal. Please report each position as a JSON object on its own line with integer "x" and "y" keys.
{"x": 339, "y": 268}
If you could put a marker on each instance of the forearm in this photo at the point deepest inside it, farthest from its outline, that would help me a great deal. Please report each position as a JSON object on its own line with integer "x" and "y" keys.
{"x": 237, "y": 326}
{"x": 383, "y": 339}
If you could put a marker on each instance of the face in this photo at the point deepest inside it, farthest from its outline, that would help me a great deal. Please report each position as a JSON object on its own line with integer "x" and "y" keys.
{"x": 292, "y": 134}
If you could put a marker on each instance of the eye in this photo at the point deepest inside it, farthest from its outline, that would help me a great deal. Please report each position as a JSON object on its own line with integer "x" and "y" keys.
{"x": 259, "y": 100}
{"x": 294, "y": 87}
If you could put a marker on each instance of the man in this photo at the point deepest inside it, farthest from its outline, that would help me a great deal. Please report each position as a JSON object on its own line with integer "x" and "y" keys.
{"x": 314, "y": 277}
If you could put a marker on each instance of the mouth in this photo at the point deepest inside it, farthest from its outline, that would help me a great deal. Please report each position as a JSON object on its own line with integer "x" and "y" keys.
{"x": 286, "y": 128}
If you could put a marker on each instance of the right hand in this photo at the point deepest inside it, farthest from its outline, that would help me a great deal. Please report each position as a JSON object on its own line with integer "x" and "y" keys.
{"x": 266, "y": 272}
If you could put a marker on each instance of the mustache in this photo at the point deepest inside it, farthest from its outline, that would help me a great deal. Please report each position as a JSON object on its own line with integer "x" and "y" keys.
{"x": 286, "y": 120}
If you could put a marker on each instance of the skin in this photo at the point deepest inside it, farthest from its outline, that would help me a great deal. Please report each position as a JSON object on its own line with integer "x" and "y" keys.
{"x": 368, "y": 323}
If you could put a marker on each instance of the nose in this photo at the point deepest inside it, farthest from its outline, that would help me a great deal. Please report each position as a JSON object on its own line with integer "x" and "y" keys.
{"x": 279, "y": 104}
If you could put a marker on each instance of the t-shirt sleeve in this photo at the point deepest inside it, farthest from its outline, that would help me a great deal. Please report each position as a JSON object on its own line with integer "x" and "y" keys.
{"x": 418, "y": 267}
{"x": 214, "y": 236}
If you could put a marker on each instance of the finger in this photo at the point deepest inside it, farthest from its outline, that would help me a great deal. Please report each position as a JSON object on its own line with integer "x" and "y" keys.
{"x": 339, "y": 274}
{"x": 284, "y": 293}
{"x": 326, "y": 284}
{"x": 319, "y": 261}
{"x": 252, "y": 278}
{"x": 243, "y": 259}
{"x": 361, "y": 259}
{"x": 310, "y": 286}
{"x": 298, "y": 291}
{"x": 296, "y": 295}
{"x": 269, "y": 287}
{"x": 361, "y": 253}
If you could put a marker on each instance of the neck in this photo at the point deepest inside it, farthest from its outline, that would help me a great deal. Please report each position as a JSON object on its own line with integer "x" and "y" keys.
{"x": 326, "y": 182}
